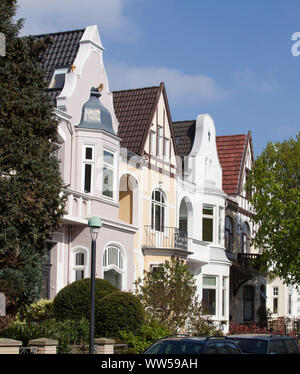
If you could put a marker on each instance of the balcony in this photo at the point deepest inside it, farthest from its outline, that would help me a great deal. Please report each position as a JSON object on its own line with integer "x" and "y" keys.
{"x": 249, "y": 261}
{"x": 78, "y": 207}
{"x": 170, "y": 237}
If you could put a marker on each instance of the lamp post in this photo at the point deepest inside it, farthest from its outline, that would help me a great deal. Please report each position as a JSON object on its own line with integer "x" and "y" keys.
{"x": 94, "y": 224}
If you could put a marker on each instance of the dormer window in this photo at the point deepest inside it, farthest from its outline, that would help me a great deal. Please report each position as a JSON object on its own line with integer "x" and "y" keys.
{"x": 58, "y": 78}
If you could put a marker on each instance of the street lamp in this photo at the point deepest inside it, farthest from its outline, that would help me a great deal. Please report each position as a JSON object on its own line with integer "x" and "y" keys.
{"x": 94, "y": 224}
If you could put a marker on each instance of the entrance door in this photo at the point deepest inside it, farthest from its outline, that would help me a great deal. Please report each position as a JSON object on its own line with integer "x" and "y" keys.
{"x": 248, "y": 301}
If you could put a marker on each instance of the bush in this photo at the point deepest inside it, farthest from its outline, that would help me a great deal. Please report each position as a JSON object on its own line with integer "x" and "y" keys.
{"x": 118, "y": 311}
{"x": 73, "y": 301}
{"x": 36, "y": 312}
{"x": 149, "y": 333}
{"x": 68, "y": 332}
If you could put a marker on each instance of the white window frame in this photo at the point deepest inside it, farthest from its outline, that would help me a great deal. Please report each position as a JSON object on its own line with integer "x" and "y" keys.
{"x": 57, "y": 72}
{"x": 212, "y": 217}
{"x": 152, "y": 142}
{"x": 108, "y": 266}
{"x": 221, "y": 226}
{"x": 75, "y": 267}
{"x": 163, "y": 206}
{"x": 111, "y": 167}
{"x": 275, "y": 295}
{"x": 224, "y": 305}
{"x": 167, "y": 155}
{"x": 211, "y": 287}
{"x": 160, "y": 140}
{"x": 85, "y": 162}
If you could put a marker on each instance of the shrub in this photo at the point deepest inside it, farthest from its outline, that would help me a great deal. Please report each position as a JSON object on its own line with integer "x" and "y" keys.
{"x": 36, "y": 312}
{"x": 149, "y": 333}
{"x": 118, "y": 311}
{"x": 73, "y": 301}
{"x": 67, "y": 332}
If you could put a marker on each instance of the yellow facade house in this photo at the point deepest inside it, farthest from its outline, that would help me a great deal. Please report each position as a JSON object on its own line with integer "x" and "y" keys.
{"x": 147, "y": 176}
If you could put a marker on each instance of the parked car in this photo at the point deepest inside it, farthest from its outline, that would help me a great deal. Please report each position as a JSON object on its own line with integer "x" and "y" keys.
{"x": 265, "y": 344}
{"x": 180, "y": 344}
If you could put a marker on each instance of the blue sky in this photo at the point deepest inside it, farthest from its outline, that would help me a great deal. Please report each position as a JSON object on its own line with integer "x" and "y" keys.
{"x": 229, "y": 58}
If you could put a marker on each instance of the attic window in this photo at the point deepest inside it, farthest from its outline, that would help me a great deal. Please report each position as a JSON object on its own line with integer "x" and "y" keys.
{"x": 58, "y": 78}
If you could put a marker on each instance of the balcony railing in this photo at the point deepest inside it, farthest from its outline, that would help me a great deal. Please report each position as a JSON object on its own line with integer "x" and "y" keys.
{"x": 249, "y": 261}
{"x": 168, "y": 237}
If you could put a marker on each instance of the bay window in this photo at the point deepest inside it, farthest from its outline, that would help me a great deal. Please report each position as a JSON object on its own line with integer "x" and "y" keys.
{"x": 207, "y": 223}
{"x": 209, "y": 294}
{"x": 108, "y": 176}
{"x": 88, "y": 167}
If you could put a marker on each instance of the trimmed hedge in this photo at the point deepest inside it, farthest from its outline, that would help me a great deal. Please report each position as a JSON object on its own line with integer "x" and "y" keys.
{"x": 67, "y": 332}
{"x": 118, "y": 311}
{"x": 73, "y": 301}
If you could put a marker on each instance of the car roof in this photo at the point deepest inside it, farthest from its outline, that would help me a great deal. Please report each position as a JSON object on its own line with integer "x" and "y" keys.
{"x": 192, "y": 338}
{"x": 259, "y": 336}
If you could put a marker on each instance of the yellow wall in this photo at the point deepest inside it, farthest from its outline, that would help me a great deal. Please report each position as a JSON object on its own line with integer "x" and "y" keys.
{"x": 149, "y": 179}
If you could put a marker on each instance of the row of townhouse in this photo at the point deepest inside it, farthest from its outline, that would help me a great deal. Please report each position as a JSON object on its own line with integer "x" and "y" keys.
{"x": 161, "y": 188}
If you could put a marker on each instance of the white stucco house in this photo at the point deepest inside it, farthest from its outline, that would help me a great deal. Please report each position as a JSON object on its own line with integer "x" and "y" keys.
{"x": 201, "y": 207}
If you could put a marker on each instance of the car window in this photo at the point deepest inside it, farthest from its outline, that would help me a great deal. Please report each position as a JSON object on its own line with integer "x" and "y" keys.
{"x": 175, "y": 347}
{"x": 232, "y": 349}
{"x": 291, "y": 345}
{"x": 255, "y": 346}
{"x": 211, "y": 348}
{"x": 277, "y": 346}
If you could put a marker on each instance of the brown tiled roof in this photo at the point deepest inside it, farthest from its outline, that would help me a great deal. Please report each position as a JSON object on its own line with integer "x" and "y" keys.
{"x": 231, "y": 151}
{"x": 61, "y": 53}
{"x": 134, "y": 110}
{"x": 184, "y": 132}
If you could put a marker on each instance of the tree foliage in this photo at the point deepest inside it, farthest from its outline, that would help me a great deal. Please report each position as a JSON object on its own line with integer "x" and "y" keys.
{"x": 31, "y": 207}
{"x": 274, "y": 190}
{"x": 169, "y": 297}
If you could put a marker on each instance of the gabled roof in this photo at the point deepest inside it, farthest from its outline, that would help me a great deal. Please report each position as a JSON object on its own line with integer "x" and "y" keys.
{"x": 231, "y": 151}
{"x": 184, "y": 132}
{"x": 61, "y": 53}
{"x": 134, "y": 110}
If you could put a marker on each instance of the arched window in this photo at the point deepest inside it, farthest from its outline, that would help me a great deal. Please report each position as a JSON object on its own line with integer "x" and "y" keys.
{"x": 158, "y": 210}
{"x": 113, "y": 266}
{"x": 228, "y": 234}
{"x": 246, "y": 238}
{"x": 79, "y": 264}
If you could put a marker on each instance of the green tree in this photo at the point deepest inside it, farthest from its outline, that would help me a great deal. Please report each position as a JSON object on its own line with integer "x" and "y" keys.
{"x": 169, "y": 296}
{"x": 274, "y": 192}
{"x": 31, "y": 207}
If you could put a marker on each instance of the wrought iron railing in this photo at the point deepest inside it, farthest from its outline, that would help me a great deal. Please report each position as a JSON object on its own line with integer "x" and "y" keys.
{"x": 165, "y": 237}
{"x": 249, "y": 261}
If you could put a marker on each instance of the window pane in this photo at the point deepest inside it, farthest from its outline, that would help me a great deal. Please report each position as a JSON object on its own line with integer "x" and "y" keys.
{"x": 208, "y": 210}
{"x": 79, "y": 274}
{"x": 120, "y": 260}
{"x": 152, "y": 142}
{"x": 209, "y": 281}
{"x": 108, "y": 157}
{"x": 113, "y": 277}
{"x": 112, "y": 256}
{"x": 167, "y": 149}
{"x": 107, "y": 189}
{"x": 88, "y": 153}
{"x": 157, "y": 196}
{"x": 207, "y": 230}
{"x": 209, "y": 300}
{"x": 79, "y": 259}
{"x": 87, "y": 177}
{"x": 58, "y": 81}
{"x": 158, "y": 218}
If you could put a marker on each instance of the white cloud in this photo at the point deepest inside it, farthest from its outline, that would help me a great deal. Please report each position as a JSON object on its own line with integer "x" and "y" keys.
{"x": 61, "y": 15}
{"x": 181, "y": 87}
{"x": 249, "y": 79}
